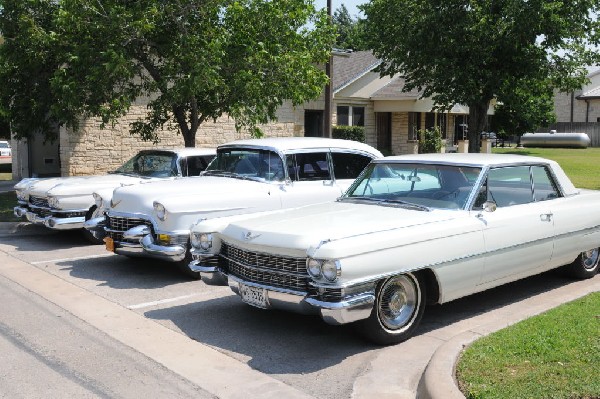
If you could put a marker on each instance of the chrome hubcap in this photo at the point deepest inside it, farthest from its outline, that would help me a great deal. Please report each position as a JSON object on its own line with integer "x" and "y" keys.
{"x": 590, "y": 258}
{"x": 398, "y": 301}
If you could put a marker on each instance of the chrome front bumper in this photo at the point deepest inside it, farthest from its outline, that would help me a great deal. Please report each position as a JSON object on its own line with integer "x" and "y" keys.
{"x": 210, "y": 275}
{"x": 357, "y": 307}
{"x": 143, "y": 245}
{"x": 52, "y": 222}
{"x": 55, "y": 223}
{"x": 19, "y": 211}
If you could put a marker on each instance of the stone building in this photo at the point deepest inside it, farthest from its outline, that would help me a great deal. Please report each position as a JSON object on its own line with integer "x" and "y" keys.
{"x": 361, "y": 97}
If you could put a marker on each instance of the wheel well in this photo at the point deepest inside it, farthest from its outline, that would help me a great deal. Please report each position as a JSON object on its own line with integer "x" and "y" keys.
{"x": 431, "y": 283}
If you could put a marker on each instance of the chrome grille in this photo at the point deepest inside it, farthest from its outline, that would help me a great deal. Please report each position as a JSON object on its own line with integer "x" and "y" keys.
{"x": 117, "y": 225}
{"x": 39, "y": 201}
{"x": 275, "y": 271}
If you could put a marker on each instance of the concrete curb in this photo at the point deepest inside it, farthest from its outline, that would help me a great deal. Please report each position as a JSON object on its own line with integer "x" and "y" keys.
{"x": 438, "y": 382}
{"x": 204, "y": 366}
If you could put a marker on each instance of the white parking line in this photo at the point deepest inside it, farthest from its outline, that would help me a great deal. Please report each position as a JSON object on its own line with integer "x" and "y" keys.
{"x": 70, "y": 259}
{"x": 160, "y": 302}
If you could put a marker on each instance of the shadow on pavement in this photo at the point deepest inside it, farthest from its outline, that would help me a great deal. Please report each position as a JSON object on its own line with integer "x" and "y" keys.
{"x": 280, "y": 342}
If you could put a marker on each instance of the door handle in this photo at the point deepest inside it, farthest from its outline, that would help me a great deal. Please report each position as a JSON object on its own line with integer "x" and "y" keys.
{"x": 546, "y": 217}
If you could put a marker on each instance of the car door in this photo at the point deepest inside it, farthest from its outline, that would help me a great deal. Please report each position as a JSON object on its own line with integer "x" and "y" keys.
{"x": 519, "y": 234}
{"x": 311, "y": 179}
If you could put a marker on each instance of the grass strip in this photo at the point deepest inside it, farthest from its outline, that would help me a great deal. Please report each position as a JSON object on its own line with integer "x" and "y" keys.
{"x": 553, "y": 355}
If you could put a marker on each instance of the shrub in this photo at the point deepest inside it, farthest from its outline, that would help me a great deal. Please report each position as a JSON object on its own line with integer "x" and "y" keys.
{"x": 430, "y": 141}
{"x": 356, "y": 133}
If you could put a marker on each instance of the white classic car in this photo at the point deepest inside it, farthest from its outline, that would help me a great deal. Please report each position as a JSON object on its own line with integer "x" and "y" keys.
{"x": 67, "y": 202}
{"x": 154, "y": 220}
{"x": 5, "y": 150}
{"x": 411, "y": 230}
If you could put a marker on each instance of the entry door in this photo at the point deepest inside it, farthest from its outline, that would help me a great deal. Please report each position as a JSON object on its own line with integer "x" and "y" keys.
{"x": 313, "y": 123}
{"x": 384, "y": 132}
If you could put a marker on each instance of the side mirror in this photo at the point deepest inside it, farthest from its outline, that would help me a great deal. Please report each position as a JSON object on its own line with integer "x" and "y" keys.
{"x": 489, "y": 206}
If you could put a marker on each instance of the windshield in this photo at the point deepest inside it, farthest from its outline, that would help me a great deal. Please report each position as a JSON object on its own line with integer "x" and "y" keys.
{"x": 429, "y": 185}
{"x": 247, "y": 163}
{"x": 150, "y": 164}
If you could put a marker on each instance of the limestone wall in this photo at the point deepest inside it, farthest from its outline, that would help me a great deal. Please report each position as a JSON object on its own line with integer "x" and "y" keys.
{"x": 92, "y": 150}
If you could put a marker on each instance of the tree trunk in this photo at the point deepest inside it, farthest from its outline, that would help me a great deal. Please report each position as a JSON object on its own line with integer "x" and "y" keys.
{"x": 188, "y": 134}
{"x": 477, "y": 124}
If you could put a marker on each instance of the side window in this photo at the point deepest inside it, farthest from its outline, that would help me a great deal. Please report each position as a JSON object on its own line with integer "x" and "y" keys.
{"x": 509, "y": 186}
{"x": 313, "y": 166}
{"x": 348, "y": 166}
{"x": 192, "y": 166}
{"x": 544, "y": 187}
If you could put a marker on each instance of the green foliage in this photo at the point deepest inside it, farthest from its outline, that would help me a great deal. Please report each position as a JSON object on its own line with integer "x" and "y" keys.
{"x": 356, "y": 133}
{"x": 350, "y": 31}
{"x": 430, "y": 140}
{"x": 29, "y": 57}
{"x": 194, "y": 59}
{"x": 472, "y": 51}
{"x": 553, "y": 355}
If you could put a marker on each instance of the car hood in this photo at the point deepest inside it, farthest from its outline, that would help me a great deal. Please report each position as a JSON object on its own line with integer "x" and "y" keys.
{"x": 202, "y": 194}
{"x": 78, "y": 185}
{"x": 318, "y": 230}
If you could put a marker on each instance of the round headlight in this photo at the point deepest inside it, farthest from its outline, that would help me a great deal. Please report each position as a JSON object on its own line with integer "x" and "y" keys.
{"x": 98, "y": 200}
{"x": 201, "y": 241}
{"x": 313, "y": 266}
{"x": 160, "y": 210}
{"x": 331, "y": 270}
{"x": 53, "y": 202}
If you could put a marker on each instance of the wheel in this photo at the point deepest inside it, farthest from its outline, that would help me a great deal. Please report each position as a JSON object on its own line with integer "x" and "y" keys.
{"x": 399, "y": 306}
{"x": 586, "y": 264}
{"x": 94, "y": 237}
{"x": 182, "y": 265}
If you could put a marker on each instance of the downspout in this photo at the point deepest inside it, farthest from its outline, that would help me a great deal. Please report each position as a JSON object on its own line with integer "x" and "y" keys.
{"x": 587, "y": 110}
{"x": 572, "y": 105}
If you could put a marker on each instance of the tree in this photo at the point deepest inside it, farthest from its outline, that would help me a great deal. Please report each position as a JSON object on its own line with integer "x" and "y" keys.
{"x": 349, "y": 30}
{"x": 195, "y": 59}
{"x": 474, "y": 51}
{"x": 29, "y": 56}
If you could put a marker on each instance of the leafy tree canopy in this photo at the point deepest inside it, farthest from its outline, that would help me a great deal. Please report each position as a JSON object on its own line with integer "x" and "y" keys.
{"x": 195, "y": 59}
{"x": 472, "y": 51}
{"x": 349, "y": 30}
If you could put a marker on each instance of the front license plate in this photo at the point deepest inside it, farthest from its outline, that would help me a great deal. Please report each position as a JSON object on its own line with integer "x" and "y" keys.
{"x": 254, "y": 296}
{"x": 110, "y": 244}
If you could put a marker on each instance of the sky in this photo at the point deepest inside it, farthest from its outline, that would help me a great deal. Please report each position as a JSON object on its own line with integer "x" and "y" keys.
{"x": 335, "y": 4}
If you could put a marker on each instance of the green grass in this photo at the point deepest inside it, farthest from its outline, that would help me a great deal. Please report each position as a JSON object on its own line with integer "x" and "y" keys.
{"x": 553, "y": 355}
{"x": 581, "y": 165}
{"x": 8, "y": 201}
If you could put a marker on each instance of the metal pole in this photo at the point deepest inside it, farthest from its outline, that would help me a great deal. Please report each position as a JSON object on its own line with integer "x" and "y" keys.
{"x": 328, "y": 87}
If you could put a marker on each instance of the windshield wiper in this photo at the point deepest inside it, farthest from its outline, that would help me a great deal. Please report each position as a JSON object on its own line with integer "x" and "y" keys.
{"x": 407, "y": 204}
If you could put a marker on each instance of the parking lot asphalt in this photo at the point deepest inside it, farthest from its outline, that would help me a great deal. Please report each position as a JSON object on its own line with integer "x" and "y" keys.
{"x": 204, "y": 353}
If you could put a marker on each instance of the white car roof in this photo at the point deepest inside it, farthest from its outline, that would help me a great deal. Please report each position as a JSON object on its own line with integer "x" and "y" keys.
{"x": 474, "y": 159}
{"x": 285, "y": 144}
{"x": 187, "y": 151}
{"x": 486, "y": 160}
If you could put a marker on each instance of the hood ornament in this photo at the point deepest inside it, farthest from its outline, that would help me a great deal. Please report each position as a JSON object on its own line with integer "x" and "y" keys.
{"x": 249, "y": 236}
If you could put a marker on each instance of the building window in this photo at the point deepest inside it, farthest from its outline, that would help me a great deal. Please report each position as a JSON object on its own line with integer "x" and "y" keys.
{"x": 350, "y": 116}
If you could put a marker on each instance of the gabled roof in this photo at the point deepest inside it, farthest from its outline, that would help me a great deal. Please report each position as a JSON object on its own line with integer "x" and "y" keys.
{"x": 350, "y": 66}
{"x": 393, "y": 91}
